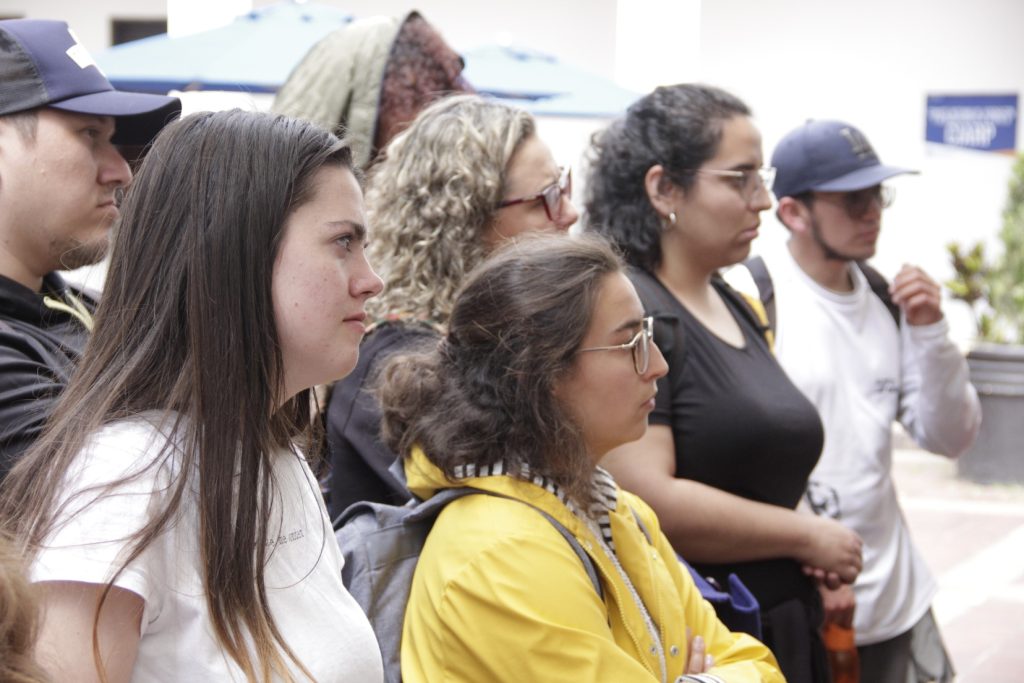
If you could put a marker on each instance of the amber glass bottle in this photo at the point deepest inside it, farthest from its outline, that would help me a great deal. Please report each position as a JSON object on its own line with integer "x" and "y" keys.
{"x": 842, "y": 653}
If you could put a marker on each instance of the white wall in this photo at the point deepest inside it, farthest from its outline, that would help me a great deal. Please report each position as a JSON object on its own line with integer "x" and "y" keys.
{"x": 90, "y": 20}
{"x": 580, "y": 32}
{"x": 658, "y": 42}
{"x": 193, "y": 16}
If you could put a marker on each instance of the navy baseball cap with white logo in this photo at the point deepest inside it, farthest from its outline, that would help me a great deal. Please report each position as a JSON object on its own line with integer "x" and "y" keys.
{"x": 42, "y": 64}
{"x": 827, "y": 156}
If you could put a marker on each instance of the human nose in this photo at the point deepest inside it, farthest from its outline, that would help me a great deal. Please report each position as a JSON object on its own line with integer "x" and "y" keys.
{"x": 873, "y": 210}
{"x": 569, "y": 214}
{"x": 761, "y": 199}
{"x": 366, "y": 282}
{"x": 657, "y": 367}
{"x": 113, "y": 168}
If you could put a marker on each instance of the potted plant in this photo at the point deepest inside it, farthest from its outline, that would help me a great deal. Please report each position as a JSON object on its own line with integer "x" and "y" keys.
{"x": 994, "y": 289}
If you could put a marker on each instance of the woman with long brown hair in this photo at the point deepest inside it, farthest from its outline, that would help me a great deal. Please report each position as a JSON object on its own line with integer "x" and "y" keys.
{"x": 168, "y": 510}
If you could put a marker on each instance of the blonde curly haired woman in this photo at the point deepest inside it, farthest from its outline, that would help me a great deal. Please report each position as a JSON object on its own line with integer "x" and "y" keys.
{"x": 467, "y": 174}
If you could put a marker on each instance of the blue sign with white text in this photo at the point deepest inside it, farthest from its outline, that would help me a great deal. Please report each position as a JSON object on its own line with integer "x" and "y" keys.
{"x": 983, "y": 122}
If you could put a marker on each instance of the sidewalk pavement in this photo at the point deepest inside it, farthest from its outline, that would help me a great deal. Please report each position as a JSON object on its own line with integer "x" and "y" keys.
{"x": 972, "y": 537}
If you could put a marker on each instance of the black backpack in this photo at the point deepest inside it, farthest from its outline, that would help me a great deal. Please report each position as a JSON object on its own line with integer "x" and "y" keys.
{"x": 763, "y": 279}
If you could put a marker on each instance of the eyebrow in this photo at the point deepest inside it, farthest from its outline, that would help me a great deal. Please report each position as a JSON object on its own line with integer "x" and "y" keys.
{"x": 358, "y": 228}
{"x": 630, "y": 324}
{"x": 552, "y": 180}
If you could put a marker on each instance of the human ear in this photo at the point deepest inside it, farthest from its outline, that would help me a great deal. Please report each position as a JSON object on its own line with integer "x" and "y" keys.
{"x": 794, "y": 214}
{"x": 661, "y": 191}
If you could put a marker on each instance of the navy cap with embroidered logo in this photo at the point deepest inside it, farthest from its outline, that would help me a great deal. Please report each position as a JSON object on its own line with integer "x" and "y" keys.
{"x": 827, "y": 156}
{"x": 42, "y": 64}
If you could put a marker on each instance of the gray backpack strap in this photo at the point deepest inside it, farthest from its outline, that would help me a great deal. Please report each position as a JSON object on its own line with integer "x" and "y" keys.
{"x": 643, "y": 527}
{"x": 585, "y": 560}
{"x": 430, "y": 508}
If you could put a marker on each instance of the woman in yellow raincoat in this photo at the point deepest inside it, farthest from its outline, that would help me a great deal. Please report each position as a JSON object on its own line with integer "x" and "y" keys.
{"x": 548, "y": 364}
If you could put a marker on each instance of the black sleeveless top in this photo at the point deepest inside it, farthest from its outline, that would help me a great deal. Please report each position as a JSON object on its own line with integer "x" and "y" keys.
{"x": 738, "y": 422}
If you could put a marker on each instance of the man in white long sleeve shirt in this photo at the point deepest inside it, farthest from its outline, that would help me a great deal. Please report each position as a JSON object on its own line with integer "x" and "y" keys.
{"x": 865, "y": 354}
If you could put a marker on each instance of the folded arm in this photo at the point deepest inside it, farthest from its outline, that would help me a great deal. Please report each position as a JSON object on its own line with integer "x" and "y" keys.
{"x": 706, "y": 524}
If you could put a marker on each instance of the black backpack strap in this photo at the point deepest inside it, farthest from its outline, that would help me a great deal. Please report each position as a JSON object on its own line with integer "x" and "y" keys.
{"x": 763, "y": 279}
{"x": 650, "y": 290}
{"x": 880, "y": 286}
{"x": 766, "y": 290}
{"x": 660, "y": 305}
{"x": 749, "y": 306}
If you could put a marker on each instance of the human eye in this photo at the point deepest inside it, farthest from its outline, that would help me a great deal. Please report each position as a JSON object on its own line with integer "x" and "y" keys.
{"x": 631, "y": 335}
{"x": 346, "y": 241}
{"x": 748, "y": 179}
{"x": 862, "y": 198}
{"x": 738, "y": 179}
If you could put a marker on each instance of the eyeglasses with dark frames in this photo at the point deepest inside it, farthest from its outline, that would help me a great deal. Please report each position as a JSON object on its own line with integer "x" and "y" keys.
{"x": 747, "y": 181}
{"x": 551, "y": 195}
{"x": 858, "y": 202}
{"x": 640, "y": 346}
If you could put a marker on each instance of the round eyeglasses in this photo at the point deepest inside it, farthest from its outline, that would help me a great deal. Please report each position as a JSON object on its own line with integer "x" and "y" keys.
{"x": 552, "y": 196}
{"x": 747, "y": 181}
{"x": 640, "y": 346}
{"x": 858, "y": 203}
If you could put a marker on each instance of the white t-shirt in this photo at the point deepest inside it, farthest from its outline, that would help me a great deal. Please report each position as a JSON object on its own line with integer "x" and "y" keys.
{"x": 845, "y": 352}
{"x": 317, "y": 617}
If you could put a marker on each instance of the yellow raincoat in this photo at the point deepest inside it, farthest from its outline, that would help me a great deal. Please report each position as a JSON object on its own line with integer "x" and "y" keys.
{"x": 499, "y": 595}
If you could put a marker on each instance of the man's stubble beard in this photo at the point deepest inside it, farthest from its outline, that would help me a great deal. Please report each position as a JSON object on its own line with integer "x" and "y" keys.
{"x": 831, "y": 253}
{"x": 72, "y": 254}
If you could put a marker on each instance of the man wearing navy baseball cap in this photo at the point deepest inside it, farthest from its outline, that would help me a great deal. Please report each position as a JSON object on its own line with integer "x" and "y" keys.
{"x": 60, "y": 179}
{"x": 865, "y": 353}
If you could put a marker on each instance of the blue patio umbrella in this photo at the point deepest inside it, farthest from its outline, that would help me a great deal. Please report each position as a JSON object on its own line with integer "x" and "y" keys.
{"x": 254, "y": 53}
{"x": 542, "y": 84}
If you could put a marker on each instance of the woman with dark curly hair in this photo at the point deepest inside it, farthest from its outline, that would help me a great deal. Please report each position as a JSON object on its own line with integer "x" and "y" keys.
{"x": 678, "y": 184}
{"x": 467, "y": 174}
{"x": 547, "y": 364}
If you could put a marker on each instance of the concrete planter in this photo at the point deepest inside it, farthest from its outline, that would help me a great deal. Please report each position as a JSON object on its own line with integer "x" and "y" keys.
{"x": 997, "y": 372}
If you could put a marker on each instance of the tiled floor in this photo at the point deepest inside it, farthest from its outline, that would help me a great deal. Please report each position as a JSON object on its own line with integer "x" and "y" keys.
{"x": 973, "y": 539}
